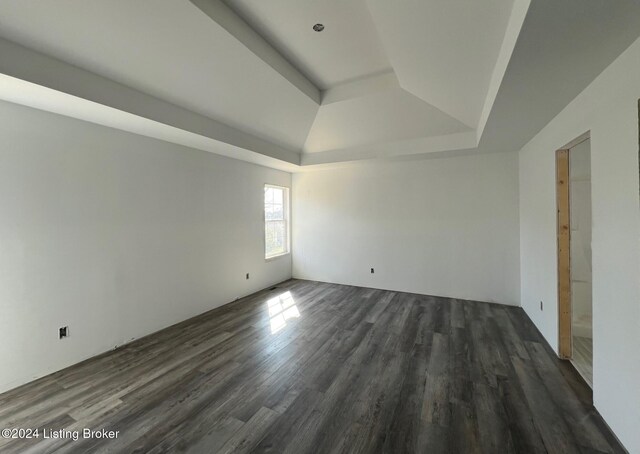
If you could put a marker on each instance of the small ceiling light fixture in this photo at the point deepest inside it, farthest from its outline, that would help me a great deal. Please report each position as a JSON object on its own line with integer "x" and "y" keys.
{"x": 318, "y": 27}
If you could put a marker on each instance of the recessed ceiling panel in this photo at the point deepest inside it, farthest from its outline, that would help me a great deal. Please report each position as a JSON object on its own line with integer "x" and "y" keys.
{"x": 171, "y": 50}
{"x": 348, "y": 47}
{"x": 444, "y": 51}
{"x": 387, "y": 116}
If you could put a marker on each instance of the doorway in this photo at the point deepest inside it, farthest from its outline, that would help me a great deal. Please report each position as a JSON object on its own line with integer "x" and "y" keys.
{"x": 573, "y": 164}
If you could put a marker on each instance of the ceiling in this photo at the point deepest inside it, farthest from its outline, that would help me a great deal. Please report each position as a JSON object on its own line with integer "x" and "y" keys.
{"x": 168, "y": 49}
{"x": 444, "y": 51}
{"x": 348, "y": 48}
{"x": 374, "y": 118}
{"x": 562, "y": 48}
{"x": 251, "y": 79}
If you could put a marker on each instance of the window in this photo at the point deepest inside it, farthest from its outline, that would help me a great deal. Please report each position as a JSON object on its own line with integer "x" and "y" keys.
{"x": 276, "y": 221}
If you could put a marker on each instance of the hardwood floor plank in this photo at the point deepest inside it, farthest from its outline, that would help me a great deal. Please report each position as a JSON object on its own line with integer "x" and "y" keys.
{"x": 249, "y": 435}
{"x": 213, "y": 441}
{"x": 349, "y": 369}
{"x": 522, "y": 427}
{"x": 555, "y": 433}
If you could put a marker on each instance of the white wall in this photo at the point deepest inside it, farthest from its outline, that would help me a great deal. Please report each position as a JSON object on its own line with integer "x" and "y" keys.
{"x": 116, "y": 236}
{"x": 609, "y": 109}
{"x": 446, "y": 227}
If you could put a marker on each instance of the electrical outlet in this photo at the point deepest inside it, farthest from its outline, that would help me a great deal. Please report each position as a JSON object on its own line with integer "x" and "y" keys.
{"x": 247, "y": 276}
{"x": 372, "y": 271}
{"x": 63, "y": 332}
{"x": 541, "y": 306}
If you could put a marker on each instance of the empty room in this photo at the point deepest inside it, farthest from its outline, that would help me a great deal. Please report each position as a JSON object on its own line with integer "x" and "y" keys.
{"x": 320, "y": 226}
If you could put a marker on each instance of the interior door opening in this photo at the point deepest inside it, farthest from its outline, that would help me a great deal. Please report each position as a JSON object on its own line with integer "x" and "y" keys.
{"x": 573, "y": 164}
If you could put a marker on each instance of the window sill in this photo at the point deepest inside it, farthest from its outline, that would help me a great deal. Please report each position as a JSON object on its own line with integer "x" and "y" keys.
{"x": 273, "y": 257}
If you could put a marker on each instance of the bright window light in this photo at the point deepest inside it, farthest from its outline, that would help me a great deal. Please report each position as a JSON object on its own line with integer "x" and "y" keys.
{"x": 276, "y": 221}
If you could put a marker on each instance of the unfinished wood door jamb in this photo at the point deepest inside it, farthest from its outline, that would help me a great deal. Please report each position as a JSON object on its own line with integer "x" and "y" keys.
{"x": 564, "y": 253}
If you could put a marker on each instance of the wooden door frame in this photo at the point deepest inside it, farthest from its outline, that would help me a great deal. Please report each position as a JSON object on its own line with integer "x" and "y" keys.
{"x": 564, "y": 253}
{"x": 563, "y": 229}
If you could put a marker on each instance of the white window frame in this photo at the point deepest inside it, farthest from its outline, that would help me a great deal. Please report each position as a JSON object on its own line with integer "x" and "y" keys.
{"x": 287, "y": 221}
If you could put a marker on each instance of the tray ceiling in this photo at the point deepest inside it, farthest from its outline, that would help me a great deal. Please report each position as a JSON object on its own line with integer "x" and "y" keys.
{"x": 251, "y": 78}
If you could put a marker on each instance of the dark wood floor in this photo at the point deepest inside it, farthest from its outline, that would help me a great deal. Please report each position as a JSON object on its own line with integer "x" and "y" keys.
{"x": 323, "y": 368}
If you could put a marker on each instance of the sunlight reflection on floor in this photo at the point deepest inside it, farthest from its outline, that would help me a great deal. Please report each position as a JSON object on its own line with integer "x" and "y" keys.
{"x": 281, "y": 308}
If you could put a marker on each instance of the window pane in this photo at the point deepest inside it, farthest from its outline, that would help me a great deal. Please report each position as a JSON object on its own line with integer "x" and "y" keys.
{"x": 278, "y": 212}
{"x": 268, "y": 195}
{"x": 276, "y": 222}
{"x": 278, "y": 196}
{"x": 268, "y": 238}
{"x": 273, "y": 212}
{"x": 279, "y": 238}
{"x": 275, "y": 237}
{"x": 269, "y": 213}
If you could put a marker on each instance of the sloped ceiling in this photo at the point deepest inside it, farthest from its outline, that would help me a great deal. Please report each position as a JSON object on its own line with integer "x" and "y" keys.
{"x": 349, "y": 48}
{"x": 386, "y": 116}
{"x": 170, "y": 50}
{"x": 444, "y": 51}
{"x": 562, "y": 48}
{"x": 442, "y": 55}
{"x": 251, "y": 79}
